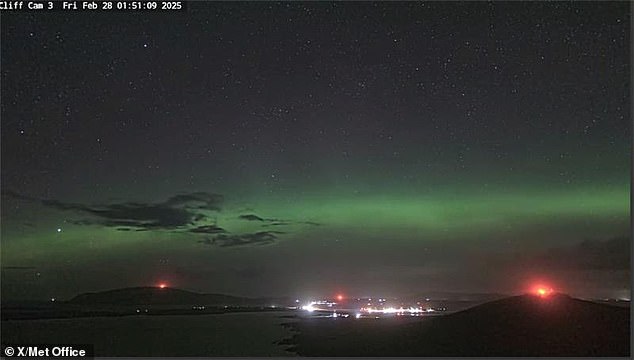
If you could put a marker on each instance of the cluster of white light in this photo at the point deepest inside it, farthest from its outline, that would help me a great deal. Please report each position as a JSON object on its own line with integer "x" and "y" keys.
{"x": 309, "y": 307}
{"x": 336, "y": 314}
{"x": 391, "y": 310}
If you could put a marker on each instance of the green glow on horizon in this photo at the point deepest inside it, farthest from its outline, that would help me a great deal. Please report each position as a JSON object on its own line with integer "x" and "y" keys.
{"x": 442, "y": 210}
{"x": 355, "y": 215}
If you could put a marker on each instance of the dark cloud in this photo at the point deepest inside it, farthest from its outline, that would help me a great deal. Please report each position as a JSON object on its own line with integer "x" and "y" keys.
{"x": 274, "y": 222}
{"x": 258, "y": 238}
{"x": 278, "y": 223}
{"x": 251, "y": 217}
{"x": 196, "y": 200}
{"x": 176, "y": 213}
{"x": 82, "y": 222}
{"x": 145, "y": 216}
{"x": 207, "y": 229}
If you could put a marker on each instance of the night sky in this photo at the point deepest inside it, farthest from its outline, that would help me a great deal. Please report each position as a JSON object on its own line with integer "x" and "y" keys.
{"x": 308, "y": 149}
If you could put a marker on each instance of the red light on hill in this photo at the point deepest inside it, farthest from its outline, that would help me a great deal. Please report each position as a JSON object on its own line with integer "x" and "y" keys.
{"x": 339, "y": 297}
{"x": 162, "y": 285}
{"x": 543, "y": 291}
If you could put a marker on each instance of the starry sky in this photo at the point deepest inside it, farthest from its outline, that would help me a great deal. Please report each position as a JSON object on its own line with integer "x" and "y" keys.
{"x": 311, "y": 148}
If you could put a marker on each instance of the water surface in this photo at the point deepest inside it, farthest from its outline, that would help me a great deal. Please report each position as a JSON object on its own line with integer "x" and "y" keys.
{"x": 233, "y": 334}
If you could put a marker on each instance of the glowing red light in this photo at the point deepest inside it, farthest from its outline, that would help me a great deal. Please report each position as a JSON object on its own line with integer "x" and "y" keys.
{"x": 339, "y": 297}
{"x": 162, "y": 285}
{"x": 543, "y": 291}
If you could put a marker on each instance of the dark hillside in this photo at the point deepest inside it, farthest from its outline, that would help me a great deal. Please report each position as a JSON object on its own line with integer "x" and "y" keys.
{"x": 157, "y": 296}
{"x": 529, "y": 325}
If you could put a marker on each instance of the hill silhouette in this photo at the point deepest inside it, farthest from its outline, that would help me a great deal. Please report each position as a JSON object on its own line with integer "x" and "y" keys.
{"x": 163, "y": 296}
{"x": 526, "y": 325}
{"x": 130, "y": 301}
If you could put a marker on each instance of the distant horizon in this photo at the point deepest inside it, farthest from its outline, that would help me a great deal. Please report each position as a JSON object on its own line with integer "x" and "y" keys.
{"x": 422, "y": 294}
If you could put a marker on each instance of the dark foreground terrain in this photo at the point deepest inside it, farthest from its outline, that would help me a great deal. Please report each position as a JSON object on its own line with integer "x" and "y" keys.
{"x": 526, "y": 325}
{"x": 518, "y": 326}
